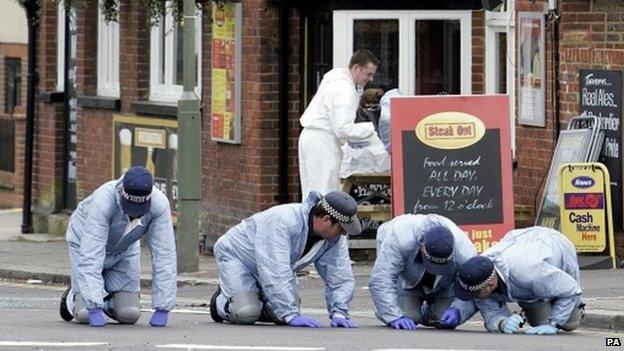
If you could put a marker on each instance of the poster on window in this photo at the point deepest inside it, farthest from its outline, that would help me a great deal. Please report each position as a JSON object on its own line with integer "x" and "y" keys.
{"x": 148, "y": 142}
{"x": 226, "y": 72}
{"x": 531, "y": 70}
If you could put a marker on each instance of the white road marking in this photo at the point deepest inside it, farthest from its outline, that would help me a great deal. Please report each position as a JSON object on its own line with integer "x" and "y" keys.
{"x": 234, "y": 347}
{"x": 181, "y": 311}
{"x": 425, "y": 350}
{"x": 51, "y": 344}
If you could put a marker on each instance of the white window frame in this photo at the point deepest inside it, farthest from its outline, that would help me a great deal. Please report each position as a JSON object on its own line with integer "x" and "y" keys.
{"x": 501, "y": 22}
{"x": 107, "y": 57}
{"x": 343, "y": 41}
{"x": 168, "y": 91}
{"x": 60, "y": 47}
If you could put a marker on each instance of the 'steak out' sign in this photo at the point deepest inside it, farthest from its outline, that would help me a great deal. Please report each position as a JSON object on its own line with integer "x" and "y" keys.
{"x": 451, "y": 155}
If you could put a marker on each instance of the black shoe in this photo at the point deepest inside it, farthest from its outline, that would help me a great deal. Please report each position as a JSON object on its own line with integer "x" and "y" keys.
{"x": 213, "y": 307}
{"x": 63, "y": 307}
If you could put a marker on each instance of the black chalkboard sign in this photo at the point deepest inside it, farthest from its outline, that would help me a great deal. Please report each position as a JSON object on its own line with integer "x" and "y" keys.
{"x": 462, "y": 184}
{"x": 600, "y": 94}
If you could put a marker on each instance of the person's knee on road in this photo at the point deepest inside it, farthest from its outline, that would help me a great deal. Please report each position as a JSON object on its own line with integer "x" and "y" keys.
{"x": 80, "y": 311}
{"x": 244, "y": 308}
{"x": 125, "y": 307}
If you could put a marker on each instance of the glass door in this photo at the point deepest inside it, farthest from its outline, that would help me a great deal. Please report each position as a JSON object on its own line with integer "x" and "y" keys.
{"x": 421, "y": 52}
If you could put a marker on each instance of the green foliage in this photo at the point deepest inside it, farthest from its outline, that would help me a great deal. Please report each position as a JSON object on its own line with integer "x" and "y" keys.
{"x": 153, "y": 8}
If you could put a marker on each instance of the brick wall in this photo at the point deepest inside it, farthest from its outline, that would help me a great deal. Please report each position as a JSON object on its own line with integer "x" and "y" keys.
{"x": 478, "y": 52}
{"x": 93, "y": 148}
{"x": 242, "y": 179}
{"x": 534, "y": 145}
{"x": 590, "y": 37}
{"x": 49, "y": 120}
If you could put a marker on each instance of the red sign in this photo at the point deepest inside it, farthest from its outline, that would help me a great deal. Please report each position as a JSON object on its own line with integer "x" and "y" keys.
{"x": 451, "y": 155}
{"x": 583, "y": 201}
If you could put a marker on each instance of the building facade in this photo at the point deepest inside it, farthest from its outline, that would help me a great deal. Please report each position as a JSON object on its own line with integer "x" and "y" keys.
{"x": 108, "y": 91}
{"x": 13, "y": 68}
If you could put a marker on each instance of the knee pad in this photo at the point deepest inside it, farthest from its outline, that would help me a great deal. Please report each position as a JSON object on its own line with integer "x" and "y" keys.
{"x": 245, "y": 308}
{"x": 80, "y": 311}
{"x": 575, "y": 318}
{"x": 126, "y": 307}
{"x": 537, "y": 313}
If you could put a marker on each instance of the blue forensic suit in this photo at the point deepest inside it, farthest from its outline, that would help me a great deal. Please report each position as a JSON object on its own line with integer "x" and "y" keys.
{"x": 103, "y": 260}
{"x": 536, "y": 264}
{"x": 263, "y": 254}
{"x": 399, "y": 269}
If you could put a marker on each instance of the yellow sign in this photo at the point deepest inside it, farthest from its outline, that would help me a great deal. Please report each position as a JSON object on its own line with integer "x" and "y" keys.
{"x": 450, "y": 130}
{"x": 586, "y": 206}
{"x": 226, "y": 70}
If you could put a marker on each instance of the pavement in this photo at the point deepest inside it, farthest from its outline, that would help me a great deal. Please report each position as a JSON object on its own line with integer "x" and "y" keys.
{"x": 43, "y": 258}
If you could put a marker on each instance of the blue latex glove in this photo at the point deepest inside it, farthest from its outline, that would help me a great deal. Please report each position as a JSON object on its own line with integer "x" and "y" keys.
{"x": 451, "y": 318}
{"x": 544, "y": 329}
{"x": 301, "y": 321}
{"x": 403, "y": 323}
{"x": 341, "y": 322}
{"x": 96, "y": 317}
{"x": 512, "y": 324}
{"x": 159, "y": 318}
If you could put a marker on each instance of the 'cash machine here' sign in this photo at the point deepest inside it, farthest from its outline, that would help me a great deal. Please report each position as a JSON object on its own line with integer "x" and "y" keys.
{"x": 451, "y": 155}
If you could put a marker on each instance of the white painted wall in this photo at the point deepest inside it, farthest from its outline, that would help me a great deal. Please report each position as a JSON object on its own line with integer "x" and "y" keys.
{"x": 13, "y": 24}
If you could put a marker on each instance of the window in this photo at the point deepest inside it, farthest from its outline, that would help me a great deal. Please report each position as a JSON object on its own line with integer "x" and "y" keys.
{"x": 108, "y": 57}
{"x": 13, "y": 84}
{"x": 421, "y": 52}
{"x": 7, "y": 145}
{"x": 166, "y": 59}
{"x": 500, "y": 61}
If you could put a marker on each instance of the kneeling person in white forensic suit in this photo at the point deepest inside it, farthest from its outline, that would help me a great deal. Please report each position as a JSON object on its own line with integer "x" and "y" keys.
{"x": 412, "y": 279}
{"x": 258, "y": 260}
{"x": 104, "y": 252}
{"x": 536, "y": 267}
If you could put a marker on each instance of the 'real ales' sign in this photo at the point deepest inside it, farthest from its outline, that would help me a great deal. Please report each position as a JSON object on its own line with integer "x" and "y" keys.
{"x": 451, "y": 155}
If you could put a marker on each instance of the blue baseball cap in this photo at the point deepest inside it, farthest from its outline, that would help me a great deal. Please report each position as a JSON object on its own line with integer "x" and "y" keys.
{"x": 437, "y": 250}
{"x": 136, "y": 191}
{"x": 342, "y": 207}
{"x": 472, "y": 277}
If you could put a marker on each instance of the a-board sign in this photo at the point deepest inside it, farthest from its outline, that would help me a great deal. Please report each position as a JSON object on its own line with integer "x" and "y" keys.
{"x": 583, "y": 204}
{"x": 451, "y": 155}
{"x": 573, "y": 146}
{"x": 586, "y": 215}
{"x": 600, "y": 95}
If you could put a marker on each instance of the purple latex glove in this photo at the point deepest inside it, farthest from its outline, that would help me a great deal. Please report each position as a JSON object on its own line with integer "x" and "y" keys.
{"x": 96, "y": 317}
{"x": 301, "y": 321}
{"x": 451, "y": 318}
{"x": 403, "y": 323}
{"x": 159, "y": 318}
{"x": 341, "y": 322}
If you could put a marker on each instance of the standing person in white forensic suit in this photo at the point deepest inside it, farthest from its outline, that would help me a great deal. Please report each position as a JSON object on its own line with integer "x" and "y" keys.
{"x": 104, "y": 252}
{"x": 329, "y": 122}
{"x": 536, "y": 267}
